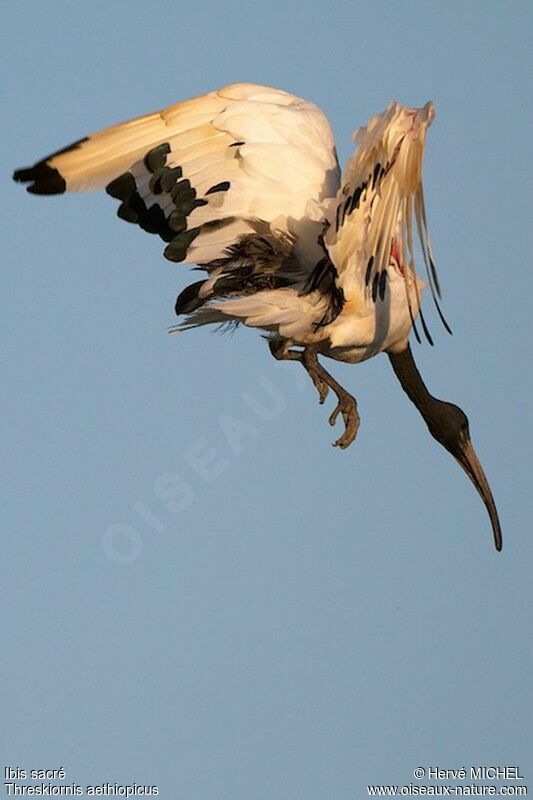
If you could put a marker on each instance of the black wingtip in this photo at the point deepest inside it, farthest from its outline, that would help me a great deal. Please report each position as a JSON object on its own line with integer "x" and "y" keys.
{"x": 22, "y": 175}
{"x": 42, "y": 178}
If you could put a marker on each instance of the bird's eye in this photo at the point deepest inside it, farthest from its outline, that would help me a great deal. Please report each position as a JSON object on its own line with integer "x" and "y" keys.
{"x": 464, "y": 431}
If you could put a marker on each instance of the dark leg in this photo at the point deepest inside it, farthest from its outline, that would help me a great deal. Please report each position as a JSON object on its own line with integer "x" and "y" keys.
{"x": 323, "y": 382}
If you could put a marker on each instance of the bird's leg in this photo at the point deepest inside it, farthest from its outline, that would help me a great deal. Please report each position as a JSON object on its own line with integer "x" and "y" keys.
{"x": 346, "y": 405}
{"x": 280, "y": 349}
{"x": 323, "y": 381}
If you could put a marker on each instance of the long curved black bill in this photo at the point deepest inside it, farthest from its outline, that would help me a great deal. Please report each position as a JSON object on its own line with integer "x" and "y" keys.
{"x": 469, "y": 461}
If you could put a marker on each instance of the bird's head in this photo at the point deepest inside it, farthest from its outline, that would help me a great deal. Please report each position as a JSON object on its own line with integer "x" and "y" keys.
{"x": 448, "y": 424}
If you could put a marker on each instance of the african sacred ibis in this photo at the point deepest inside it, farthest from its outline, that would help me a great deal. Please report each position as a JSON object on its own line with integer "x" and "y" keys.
{"x": 245, "y": 183}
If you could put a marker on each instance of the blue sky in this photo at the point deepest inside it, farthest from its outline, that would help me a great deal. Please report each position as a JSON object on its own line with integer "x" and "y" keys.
{"x": 292, "y": 621}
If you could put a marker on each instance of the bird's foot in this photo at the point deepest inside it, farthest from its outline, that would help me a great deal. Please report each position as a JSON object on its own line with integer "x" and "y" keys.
{"x": 346, "y": 406}
{"x": 320, "y": 385}
{"x": 323, "y": 382}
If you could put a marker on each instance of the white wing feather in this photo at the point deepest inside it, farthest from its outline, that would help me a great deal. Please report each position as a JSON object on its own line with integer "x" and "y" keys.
{"x": 371, "y": 218}
{"x": 271, "y": 152}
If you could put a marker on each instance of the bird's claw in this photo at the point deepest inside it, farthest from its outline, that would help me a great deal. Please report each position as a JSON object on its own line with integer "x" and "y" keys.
{"x": 321, "y": 387}
{"x": 348, "y": 408}
{"x": 323, "y": 382}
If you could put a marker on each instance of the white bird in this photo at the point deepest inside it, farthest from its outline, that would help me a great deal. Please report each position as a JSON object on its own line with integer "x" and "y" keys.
{"x": 245, "y": 183}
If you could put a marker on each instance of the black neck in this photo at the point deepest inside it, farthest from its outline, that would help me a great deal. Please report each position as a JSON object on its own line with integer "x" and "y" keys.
{"x": 407, "y": 373}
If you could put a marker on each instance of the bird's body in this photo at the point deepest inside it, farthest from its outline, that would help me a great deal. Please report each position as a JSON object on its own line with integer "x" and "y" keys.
{"x": 245, "y": 183}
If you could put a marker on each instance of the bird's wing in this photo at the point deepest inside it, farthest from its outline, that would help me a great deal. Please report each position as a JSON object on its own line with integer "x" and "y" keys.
{"x": 371, "y": 222}
{"x": 202, "y": 173}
